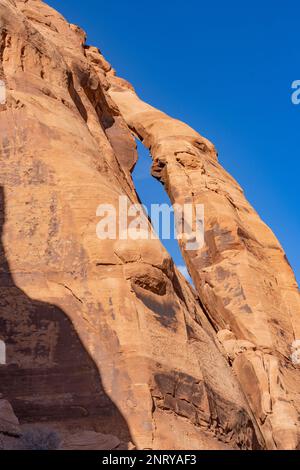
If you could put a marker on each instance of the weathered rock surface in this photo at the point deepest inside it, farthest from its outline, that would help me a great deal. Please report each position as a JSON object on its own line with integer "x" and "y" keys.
{"x": 90, "y": 440}
{"x": 241, "y": 274}
{"x": 109, "y": 332}
{"x": 9, "y": 423}
{"x": 10, "y": 429}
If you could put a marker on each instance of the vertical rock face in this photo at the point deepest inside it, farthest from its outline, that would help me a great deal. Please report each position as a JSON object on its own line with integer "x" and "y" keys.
{"x": 109, "y": 332}
{"x": 242, "y": 276}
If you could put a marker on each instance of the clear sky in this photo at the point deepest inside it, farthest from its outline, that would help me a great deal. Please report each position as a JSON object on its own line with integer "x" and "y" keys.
{"x": 226, "y": 69}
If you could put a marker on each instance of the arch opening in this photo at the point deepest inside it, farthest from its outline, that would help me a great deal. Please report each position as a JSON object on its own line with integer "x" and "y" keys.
{"x": 151, "y": 191}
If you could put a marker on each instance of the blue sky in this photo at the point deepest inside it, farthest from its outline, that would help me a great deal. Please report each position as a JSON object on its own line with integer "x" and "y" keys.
{"x": 225, "y": 68}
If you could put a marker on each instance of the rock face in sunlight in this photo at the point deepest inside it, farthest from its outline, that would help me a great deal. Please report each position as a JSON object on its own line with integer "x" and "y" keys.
{"x": 244, "y": 281}
{"x": 105, "y": 339}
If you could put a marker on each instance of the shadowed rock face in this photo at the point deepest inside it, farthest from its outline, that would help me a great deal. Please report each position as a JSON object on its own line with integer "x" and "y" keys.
{"x": 136, "y": 346}
{"x": 48, "y": 374}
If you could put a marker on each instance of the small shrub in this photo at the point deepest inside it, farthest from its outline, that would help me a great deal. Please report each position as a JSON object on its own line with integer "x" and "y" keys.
{"x": 41, "y": 439}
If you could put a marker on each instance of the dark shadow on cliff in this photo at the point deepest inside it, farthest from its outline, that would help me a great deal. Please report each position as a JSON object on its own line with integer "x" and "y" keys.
{"x": 48, "y": 376}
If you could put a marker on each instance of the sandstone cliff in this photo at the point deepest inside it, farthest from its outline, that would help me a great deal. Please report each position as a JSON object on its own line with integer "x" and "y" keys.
{"x": 108, "y": 335}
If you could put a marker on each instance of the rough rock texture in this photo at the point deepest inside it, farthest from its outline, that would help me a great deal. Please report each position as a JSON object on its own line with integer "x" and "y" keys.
{"x": 10, "y": 430}
{"x": 90, "y": 440}
{"x": 108, "y": 333}
{"x": 9, "y": 423}
{"x": 242, "y": 275}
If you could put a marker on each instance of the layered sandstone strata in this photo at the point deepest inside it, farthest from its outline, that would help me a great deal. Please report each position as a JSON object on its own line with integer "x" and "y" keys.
{"x": 109, "y": 333}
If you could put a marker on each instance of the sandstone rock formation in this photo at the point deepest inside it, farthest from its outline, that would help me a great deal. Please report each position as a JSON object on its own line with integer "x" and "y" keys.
{"x": 108, "y": 333}
{"x": 90, "y": 440}
{"x": 9, "y": 423}
{"x": 10, "y": 430}
{"x": 242, "y": 276}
